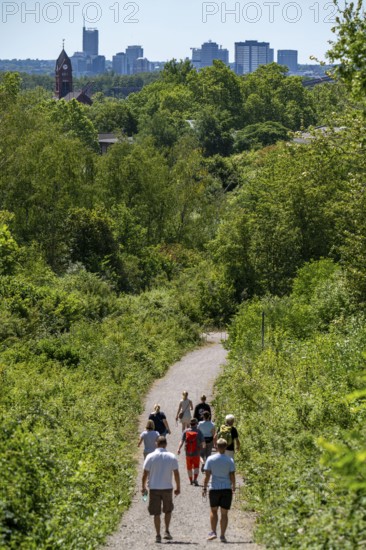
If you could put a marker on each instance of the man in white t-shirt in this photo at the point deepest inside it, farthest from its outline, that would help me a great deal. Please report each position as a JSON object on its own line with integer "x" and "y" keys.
{"x": 221, "y": 469}
{"x": 159, "y": 468}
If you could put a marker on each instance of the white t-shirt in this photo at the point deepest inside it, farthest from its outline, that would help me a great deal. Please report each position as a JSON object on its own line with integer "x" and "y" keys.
{"x": 160, "y": 464}
{"x": 206, "y": 427}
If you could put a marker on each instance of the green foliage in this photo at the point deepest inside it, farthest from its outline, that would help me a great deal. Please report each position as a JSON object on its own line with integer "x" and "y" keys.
{"x": 259, "y": 135}
{"x": 269, "y": 95}
{"x": 176, "y": 71}
{"x": 349, "y": 48}
{"x": 71, "y": 350}
{"x": 9, "y": 89}
{"x": 289, "y": 399}
{"x": 8, "y": 250}
{"x": 72, "y": 118}
{"x": 111, "y": 115}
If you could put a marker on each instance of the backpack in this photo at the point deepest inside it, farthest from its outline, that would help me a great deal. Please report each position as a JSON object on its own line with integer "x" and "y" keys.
{"x": 225, "y": 433}
{"x": 191, "y": 442}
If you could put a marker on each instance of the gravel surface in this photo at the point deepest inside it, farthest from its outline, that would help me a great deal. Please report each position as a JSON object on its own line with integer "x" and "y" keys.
{"x": 190, "y": 524}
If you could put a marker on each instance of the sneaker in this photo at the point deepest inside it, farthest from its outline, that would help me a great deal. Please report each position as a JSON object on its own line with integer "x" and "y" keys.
{"x": 158, "y": 538}
{"x": 167, "y": 536}
{"x": 212, "y": 535}
{"x": 223, "y": 538}
{"x": 195, "y": 483}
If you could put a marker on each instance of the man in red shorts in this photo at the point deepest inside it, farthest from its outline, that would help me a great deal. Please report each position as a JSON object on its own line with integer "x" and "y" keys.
{"x": 194, "y": 440}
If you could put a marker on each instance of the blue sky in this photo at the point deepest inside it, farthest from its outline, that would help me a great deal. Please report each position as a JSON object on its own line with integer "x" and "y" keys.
{"x": 165, "y": 29}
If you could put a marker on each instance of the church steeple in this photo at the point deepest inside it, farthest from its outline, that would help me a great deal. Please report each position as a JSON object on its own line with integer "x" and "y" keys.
{"x": 63, "y": 74}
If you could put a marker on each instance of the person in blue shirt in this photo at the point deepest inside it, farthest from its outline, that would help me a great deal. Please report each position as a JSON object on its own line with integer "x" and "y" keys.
{"x": 220, "y": 472}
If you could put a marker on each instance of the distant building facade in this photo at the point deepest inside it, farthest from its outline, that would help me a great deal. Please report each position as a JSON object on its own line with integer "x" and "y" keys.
{"x": 289, "y": 58}
{"x": 207, "y": 53}
{"x": 249, "y": 55}
{"x": 63, "y": 75}
{"x": 90, "y": 41}
{"x": 119, "y": 63}
{"x": 141, "y": 65}
{"x": 133, "y": 53}
{"x": 63, "y": 82}
{"x": 89, "y": 62}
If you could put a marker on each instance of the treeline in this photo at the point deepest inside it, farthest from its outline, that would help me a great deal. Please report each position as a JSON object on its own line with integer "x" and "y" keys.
{"x": 110, "y": 265}
{"x": 296, "y": 373}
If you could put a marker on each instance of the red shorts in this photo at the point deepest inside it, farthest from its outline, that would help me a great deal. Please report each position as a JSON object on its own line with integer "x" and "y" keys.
{"x": 192, "y": 462}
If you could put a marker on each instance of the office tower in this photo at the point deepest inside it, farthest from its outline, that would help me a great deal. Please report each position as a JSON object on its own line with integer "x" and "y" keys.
{"x": 133, "y": 53}
{"x": 210, "y": 51}
{"x": 249, "y": 55}
{"x": 63, "y": 74}
{"x": 196, "y": 58}
{"x": 119, "y": 63}
{"x": 223, "y": 55}
{"x": 90, "y": 41}
{"x": 141, "y": 65}
{"x": 79, "y": 63}
{"x": 288, "y": 58}
{"x": 205, "y": 55}
{"x": 97, "y": 64}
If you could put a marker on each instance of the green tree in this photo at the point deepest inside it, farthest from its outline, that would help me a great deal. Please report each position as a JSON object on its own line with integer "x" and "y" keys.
{"x": 176, "y": 71}
{"x": 349, "y": 49}
{"x": 260, "y": 134}
{"x": 111, "y": 115}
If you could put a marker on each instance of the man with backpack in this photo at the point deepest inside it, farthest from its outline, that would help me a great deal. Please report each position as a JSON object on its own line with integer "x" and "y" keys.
{"x": 231, "y": 436}
{"x": 194, "y": 440}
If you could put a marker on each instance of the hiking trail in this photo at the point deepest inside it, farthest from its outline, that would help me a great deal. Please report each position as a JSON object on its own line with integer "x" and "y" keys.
{"x": 190, "y": 523}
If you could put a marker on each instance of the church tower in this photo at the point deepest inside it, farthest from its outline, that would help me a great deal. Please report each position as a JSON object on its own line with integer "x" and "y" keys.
{"x": 63, "y": 75}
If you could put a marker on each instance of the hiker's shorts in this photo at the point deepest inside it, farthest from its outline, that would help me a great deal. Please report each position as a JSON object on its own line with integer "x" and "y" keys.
{"x": 158, "y": 497}
{"x": 220, "y": 497}
{"x": 192, "y": 462}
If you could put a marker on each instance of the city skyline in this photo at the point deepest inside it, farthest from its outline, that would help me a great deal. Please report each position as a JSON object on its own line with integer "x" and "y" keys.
{"x": 166, "y": 29}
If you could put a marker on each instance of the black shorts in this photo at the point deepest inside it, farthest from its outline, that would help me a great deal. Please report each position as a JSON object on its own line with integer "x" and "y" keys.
{"x": 221, "y": 498}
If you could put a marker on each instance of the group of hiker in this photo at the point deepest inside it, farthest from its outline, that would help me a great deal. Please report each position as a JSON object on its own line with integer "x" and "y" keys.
{"x": 200, "y": 438}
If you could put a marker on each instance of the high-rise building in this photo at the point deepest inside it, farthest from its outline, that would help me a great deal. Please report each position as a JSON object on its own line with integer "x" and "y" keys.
{"x": 97, "y": 64}
{"x": 288, "y": 58}
{"x": 196, "y": 58}
{"x": 205, "y": 55}
{"x": 119, "y": 63}
{"x": 79, "y": 63}
{"x": 141, "y": 65}
{"x": 90, "y": 41}
{"x": 249, "y": 55}
{"x": 133, "y": 53}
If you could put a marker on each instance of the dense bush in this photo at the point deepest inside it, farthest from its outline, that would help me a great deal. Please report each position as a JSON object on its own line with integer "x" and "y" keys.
{"x": 75, "y": 362}
{"x": 289, "y": 398}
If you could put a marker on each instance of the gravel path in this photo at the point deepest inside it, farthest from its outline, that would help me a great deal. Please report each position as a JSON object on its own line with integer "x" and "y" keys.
{"x": 195, "y": 373}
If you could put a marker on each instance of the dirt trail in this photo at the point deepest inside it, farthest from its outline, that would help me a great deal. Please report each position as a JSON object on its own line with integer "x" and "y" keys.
{"x": 195, "y": 373}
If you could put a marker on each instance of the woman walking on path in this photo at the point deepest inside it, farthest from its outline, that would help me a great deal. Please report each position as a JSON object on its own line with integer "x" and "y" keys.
{"x": 149, "y": 437}
{"x": 184, "y": 411}
{"x": 160, "y": 421}
{"x": 208, "y": 430}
